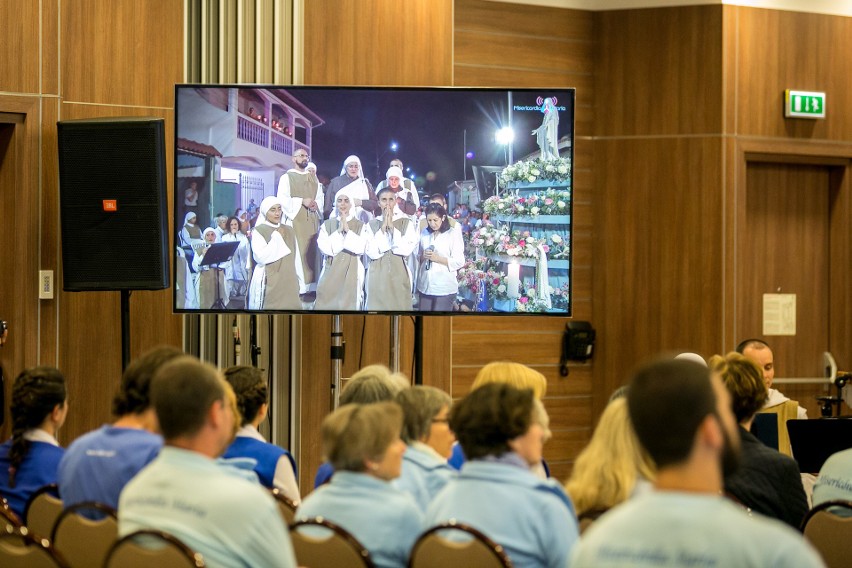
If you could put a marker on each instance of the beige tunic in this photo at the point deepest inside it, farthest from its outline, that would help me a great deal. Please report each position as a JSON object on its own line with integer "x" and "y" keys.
{"x": 208, "y": 292}
{"x": 342, "y": 279}
{"x": 306, "y": 223}
{"x": 281, "y": 289}
{"x": 388, "y": 279}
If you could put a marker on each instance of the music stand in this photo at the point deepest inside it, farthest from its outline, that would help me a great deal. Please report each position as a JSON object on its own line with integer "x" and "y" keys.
{"x": 216, "y": 254}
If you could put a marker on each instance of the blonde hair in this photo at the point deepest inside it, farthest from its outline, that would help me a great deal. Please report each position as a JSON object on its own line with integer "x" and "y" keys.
{"x": 744, "y": 380}
{"x": 373, "y": 383}
{"x": 606, "y": 471}
{"x": 514, "y": 374}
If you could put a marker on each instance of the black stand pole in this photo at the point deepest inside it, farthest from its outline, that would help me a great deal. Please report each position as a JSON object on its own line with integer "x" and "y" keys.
{"x": 418, "y": 350}
{"x": 125, "y": 329}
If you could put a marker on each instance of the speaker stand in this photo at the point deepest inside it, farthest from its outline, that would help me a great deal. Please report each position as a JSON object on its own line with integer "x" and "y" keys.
{"x": 125, "y": 329}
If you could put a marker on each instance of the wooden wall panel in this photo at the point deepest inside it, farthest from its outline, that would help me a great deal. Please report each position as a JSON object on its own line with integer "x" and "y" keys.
{"x": 50, "y": 243}
{"x": 377, "y": 42}
{"x": 790, "y": 50}
{"x": 659, "y": 71}
{"x": 19, "y": 43}
{"x": 658, "y": 252}
{"x": 121, "y": 53}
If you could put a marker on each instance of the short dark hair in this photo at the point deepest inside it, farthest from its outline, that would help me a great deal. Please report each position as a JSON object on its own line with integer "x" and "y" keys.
{"x": 182, "y": 392}
{"x": 386, "y": 189}
{"x": 438, "y": 209}
{"x": 438, "y": 196}
{"x": 132, "y": 396}
{"x": 668, "y": 399}
{"x": 250, "y": 389}
{"x": 753, "y": 342}
{"x": 489, "y": 417}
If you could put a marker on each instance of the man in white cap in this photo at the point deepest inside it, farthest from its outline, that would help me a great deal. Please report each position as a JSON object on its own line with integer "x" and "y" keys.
{"x": 301, "y": 203}
{"x": 360, "y": 189}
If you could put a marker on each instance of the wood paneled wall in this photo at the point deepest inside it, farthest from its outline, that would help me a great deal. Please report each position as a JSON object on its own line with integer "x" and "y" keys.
{"x": 68, "y": 60}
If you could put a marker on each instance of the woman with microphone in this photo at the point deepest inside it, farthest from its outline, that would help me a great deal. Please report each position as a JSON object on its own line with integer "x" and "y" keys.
{"x": 441, "y": 257}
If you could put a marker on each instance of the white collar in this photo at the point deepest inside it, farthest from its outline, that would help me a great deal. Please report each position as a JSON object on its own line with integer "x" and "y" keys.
{"x": 39, "y": 435}
{"x": 427, "y": 449}
{"x": 249, "y": 431}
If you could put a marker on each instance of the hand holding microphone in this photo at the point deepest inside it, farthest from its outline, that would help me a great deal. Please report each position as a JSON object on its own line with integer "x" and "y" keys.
{"x": 429, "y": 250}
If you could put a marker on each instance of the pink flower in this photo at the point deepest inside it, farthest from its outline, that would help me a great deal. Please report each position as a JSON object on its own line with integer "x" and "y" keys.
{"x": 496, "y": 281}
{"x": 523, "y": 299}
{"x": 521, "y": 242}
{"x": 548, "y": 201}
{"x": 546, "y": 248}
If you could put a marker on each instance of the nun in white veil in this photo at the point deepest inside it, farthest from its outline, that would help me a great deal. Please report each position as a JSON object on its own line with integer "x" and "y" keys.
{"x": 352, "y": 177}
{"x": 277, "y": 273}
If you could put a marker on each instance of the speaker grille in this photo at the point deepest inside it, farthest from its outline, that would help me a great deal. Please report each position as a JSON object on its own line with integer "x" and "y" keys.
{"x": 120, "y": 161}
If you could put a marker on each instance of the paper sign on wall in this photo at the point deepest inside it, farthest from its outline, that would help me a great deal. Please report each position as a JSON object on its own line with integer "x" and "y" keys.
{"x": 779, "y": 314}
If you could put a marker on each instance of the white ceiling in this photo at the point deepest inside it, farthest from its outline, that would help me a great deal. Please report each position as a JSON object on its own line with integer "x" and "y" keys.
{"x": 833, "y": 7}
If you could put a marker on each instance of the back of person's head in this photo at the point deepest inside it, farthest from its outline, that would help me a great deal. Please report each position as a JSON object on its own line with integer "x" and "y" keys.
{"x": 514, "y": 374}
{"x": 668, "y": 399}
{"x": 751, "y": 343}
{"x": 606, "y": 471}
{"x": 373, "y": 383}
{"x": 355, "y": 433}
{"x": 744, "y": 380}
{"x": 182, "y": 392}
{"x": 420, "y": 404}
{"x": 489, "y": 417}
{"x": 133, "y": 394}
{"x": 250, "y": 389}
{"x": 36, "y": 392}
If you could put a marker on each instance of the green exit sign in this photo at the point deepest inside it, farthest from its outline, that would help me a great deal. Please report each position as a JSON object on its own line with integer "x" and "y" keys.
{"x": 804, "y": 104}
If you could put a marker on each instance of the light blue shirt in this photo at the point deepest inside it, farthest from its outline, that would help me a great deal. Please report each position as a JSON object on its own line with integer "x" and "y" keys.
{"x": 533, "y": 519}
{"x": 382, "y": 518}
{"x": 424, "y": 474}
{"x": 98, "y": 465}
{"x": 232, "y": 522}
{"x": 668, "y": 528}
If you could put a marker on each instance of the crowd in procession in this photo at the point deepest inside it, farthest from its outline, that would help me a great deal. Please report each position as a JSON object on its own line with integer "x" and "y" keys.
{"x": 344, "y": 247}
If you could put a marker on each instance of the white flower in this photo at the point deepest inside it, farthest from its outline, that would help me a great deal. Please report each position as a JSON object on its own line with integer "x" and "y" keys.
{"x": 556, "y": 239}
{"x": 562, "y": 169}
{"x": 530, "y": 179}
{"x": 500, "y": 206}
{"x": 560, "y": 204}
{"x": 535, "y": 210}
{"x": 501, "y": 288}
{"x": 535, "y": 171}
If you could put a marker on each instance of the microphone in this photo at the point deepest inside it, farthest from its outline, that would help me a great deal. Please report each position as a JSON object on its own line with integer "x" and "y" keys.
{"x": 430, "y": 248}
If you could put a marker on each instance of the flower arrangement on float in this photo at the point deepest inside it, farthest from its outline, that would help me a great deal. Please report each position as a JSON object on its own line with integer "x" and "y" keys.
{"x": 531, "y": 171}
{"x": 492, "y": 239}
{"x": 548, "y": 202}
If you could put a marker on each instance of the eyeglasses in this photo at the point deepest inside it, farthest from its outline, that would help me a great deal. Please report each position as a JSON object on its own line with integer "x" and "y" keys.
{"x": 441, "y": 420}
{"x": 301, "y": 156}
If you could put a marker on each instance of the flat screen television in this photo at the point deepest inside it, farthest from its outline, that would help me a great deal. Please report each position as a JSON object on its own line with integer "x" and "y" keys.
{"x": 297, "y": 199}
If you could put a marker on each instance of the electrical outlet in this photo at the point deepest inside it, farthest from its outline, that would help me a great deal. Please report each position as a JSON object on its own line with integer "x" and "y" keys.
{"x": 45, "y": 284}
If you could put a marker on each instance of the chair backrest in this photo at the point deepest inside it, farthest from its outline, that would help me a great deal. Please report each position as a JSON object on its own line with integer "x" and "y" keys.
{"x": 8, "y": 519}
{"x": 787, "y": 410}
{"x": 828, "y": 526}
{"x": 146, "y": 548}
{"x": 329, "y": 548}
{"x": 42, "y": 509}
{"x": 19, "y": 549}
{"x": 82, "y": 540}
{"x": 285, "y": 506}
{"x": 432, "y": 549}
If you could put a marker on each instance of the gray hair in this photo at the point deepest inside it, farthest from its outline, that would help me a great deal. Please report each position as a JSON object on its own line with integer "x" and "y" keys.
{"x": 420, "y": 404}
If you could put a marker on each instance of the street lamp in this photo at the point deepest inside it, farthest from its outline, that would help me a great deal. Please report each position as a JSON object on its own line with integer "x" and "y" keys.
{"x": 393, "y": 147}
{"x": 505, "y": 136}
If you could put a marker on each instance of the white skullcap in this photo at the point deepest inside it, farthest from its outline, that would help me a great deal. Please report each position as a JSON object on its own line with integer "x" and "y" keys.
{"x": 394, "y": 171}
{"x": 694, "y": 357}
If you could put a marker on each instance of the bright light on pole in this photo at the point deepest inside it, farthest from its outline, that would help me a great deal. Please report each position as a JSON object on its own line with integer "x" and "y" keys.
{"x": 504, "y": 136}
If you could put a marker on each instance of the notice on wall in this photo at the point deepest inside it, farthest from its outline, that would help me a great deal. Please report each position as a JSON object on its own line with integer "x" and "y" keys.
{"x": 779, "y": 314}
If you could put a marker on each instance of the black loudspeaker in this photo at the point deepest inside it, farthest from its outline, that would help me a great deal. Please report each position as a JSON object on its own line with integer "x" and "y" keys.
{"x": 112, "y": 199}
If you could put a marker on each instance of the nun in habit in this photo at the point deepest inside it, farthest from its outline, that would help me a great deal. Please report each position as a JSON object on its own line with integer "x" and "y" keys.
{"x": 392, "y": 237}
{"x": 342, "y": 241}
{"x": 190, "y": 234}
{"x": 210, "y": 285}
{"x": 277, "y": 273}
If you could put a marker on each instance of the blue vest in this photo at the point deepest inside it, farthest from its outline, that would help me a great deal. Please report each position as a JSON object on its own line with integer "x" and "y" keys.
{"x": 266, "y": 455}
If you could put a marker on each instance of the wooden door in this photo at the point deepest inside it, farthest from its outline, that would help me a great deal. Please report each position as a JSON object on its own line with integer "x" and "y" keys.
{"x": 785, "y": 248}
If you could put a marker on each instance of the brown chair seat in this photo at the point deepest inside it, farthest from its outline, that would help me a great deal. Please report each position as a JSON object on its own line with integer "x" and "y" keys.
{"x": 339, "y": 548}
{"x": 42, "y": 509}
{"x": 146, "y": 548}
{"x": 84, "y": 533}
{"x": 828, "y": 526}
{"x": 433, "y": 550}
{"x": 20, "y": 549}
